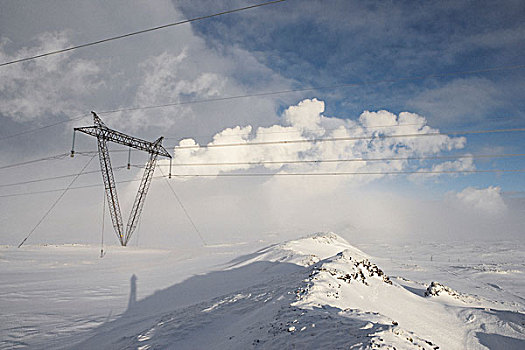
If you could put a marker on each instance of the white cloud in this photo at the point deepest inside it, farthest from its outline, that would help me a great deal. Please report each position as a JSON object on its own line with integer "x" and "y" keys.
{"x": 196, "y": 72}
{"x": 169, "y": 66}
{"x": 50, "y": 85}
{"x": 305, "y": 117}
{"x": 305, "y": 121}
{"x": 486, "y": 200}
{"x": 163, "y": 79}
{"x": 440, "y": 169}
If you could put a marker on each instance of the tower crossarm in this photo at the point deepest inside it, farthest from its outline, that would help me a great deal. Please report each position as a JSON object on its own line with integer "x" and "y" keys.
{"x": 100, "y": 130}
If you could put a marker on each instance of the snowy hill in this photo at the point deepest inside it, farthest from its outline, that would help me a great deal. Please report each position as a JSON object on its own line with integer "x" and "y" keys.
{"x": 318, "y": 292}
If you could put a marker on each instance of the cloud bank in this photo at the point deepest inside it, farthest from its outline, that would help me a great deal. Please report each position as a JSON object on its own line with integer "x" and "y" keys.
{"x": 304, "y": 122}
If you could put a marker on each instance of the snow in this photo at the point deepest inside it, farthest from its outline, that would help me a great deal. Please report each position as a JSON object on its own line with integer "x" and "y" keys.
{"x": 310, "y": 293}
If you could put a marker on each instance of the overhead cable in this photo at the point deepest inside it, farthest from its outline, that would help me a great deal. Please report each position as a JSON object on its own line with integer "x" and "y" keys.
{"x": 323, "y": 87}
{"x": 296, "y": 131}
{"x": 184, "y": 209}
{"x": 62, "y": 189}
{"x": 352, "y": 138}
{"x": 55, "y": 203}
{"x": 58, "y": 156}
{"x": 314, "y": 161}
{"x": 421, "y": 172}
{"x": 56, "y": 177}
{"x": 138, "y": 32}
{"x": 44, "y": 127}
{"x": 333, "y": 139}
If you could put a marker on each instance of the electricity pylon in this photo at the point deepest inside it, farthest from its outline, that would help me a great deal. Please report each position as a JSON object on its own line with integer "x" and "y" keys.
{"x": 103, "y": 135}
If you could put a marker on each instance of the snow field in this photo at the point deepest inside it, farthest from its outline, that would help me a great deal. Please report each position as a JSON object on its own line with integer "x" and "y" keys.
{"x": 310, "y": 293}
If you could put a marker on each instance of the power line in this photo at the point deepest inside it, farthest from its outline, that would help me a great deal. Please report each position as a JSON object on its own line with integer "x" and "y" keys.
{"x": 58, "y": 156}
{"x": 344, "y": 85}
{"x": 43, "y": 127}
{"x": 315, "y": 161}
{"x": 318, "y": 129}
{"x": 334, "y": 139}
{"x": 61, "y": 189}
{"x": 184, "y": 210}
{"x": 422, "y": 172}
{"x": 56, "y": 177}
{"x": 55, "y": 203}
{"x": 287, "y": 132}
{"x": 282, "y": 132}
{"x": 331, "y": 129}
{"x": 352, "y": 138}
{"x": 138, "y": 32}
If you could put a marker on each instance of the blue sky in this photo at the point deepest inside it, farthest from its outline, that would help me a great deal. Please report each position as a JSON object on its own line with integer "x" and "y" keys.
{"x": 286, "y": 46}
{"x": 319, "y": 43}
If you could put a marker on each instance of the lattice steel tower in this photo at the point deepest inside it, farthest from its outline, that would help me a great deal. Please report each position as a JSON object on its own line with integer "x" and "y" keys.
{"x": 155, "y": 149}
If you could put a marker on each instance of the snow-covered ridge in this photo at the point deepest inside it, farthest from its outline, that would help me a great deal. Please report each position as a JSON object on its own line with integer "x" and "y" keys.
{"x": 314, "y": 292}
{"x": 304, "y": 251}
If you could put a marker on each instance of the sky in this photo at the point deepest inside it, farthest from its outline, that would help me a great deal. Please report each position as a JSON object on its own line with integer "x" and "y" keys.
{"x": 351, "y": 70}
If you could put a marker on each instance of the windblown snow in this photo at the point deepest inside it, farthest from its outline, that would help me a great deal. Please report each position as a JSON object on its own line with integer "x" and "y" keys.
{"x": 318, "y": 292}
